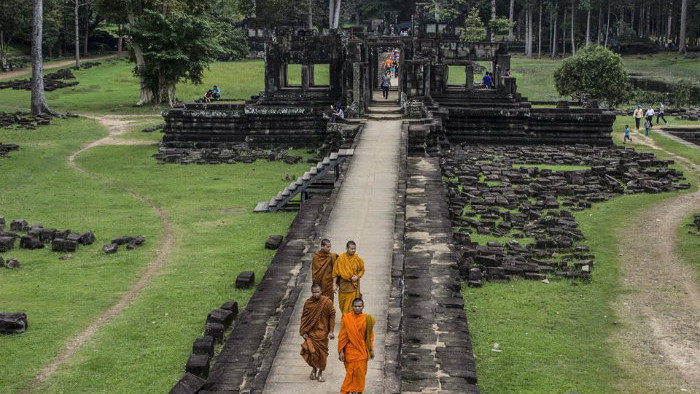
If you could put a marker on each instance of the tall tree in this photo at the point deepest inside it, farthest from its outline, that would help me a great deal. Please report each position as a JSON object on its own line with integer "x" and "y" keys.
{"x": 511, "y": 13}
{"x": 492, "y": 34}
{"x": 539, "y": 33}
{"x": 333, "y": 13}
{"x": 681, "y": 35}
{"x": 15, "y": 24}
{"x": 555, "y": 12}
{"x": 573, "y": 25}
{"x": 39, "y": 105}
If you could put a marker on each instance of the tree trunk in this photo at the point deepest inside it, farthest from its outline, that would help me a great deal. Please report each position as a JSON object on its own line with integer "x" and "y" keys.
{"x": 310, "y": 17}
{"x": 573, "y": 36}
{"x": 681, "y": 36}
{"x": 600, "y": 23}
{"x": 563, "y": 34}
{"x": 510, "y": 19}
{"x": 607, "y": 27}
{"x": 4, "y": 48}
{"x": 588, "y": 28}
{"x": 39, "y": 105}
{"x": 76, "y": 5}
{"x": 539, "y": 34}
{"x": 145, "y": 93}
{"x": 87, "y": 29}
{"x": 492, "y": 36}
{"x": 336, "y": 17}
{"x": 668, "y": 27}
{"x": 333, "y": 13}
{"x": 528, "y": 36}
{"x": 554, "y": 34}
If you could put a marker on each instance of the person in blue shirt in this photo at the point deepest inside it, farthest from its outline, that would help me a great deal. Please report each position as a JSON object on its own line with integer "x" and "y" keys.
{"x": 627, "y": 134}
{"x": 216, "y": 93}
{"x": 486, "y": 80}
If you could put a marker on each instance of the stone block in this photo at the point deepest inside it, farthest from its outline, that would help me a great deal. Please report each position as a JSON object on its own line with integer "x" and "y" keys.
{"x": 245, "y": 280}
{"x": 62, "y": 234}
{"x": 48, "y": 235}
{"x": 87, "y": 238}
{"x": 223, "y": 316}
{"x": 64, "y": 245}
{"x": 13, "y": 263}
{"x": 273, "y": 241}
{"x": 198, "y": 365}
{"x": 2, "y": 223}
{"x": 122, "y": 240}
{"x": 204, "y": 345}
{"x": 231, "y": 306}
{"x": 6, "y": 243}
{"x": 215, "y": 330}
{"x": 30, "y": 242}
{"x": 13, "y": 322}
{"x": 19, "y": 225}
{"x": 189, "y": 384}
{"x": 110, "y": 248}
{"x": 2, "y": 262}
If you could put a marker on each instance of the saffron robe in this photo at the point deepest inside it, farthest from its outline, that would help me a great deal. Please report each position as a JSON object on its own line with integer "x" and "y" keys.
{"x": 317, "y": 321}
{"x": 345, "y": 268}
{"x": 356, "y": 339}
{"x": 322, "y": 271}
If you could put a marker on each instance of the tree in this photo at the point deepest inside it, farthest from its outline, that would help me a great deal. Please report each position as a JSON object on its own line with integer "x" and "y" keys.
{"x": 333, "y": 13}
{"x": 174, "y": 48}
{"x": 14, "y": 23}
{"x": 39, "y": 105}
{"x": 595, "y": 71}
{"x": 684, "y": 17}
{"x": 474, "y": 31}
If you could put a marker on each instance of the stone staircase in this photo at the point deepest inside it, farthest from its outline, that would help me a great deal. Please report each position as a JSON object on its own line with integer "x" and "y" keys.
{"x": 311, "y": 181}
{"x": 384, "y": 109}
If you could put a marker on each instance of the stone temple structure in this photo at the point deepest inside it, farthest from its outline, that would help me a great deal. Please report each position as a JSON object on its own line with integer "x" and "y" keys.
{"x": 292, "y": 114}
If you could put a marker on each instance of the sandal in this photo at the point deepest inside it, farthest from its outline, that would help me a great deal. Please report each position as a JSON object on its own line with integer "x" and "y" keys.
{"x": 321, "y": 379}
{"x": 312, "y": 376}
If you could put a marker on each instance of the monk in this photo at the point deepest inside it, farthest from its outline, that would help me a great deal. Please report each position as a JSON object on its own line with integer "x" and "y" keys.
{"x": 347, "y": 271}
{"x": 317, "y": 325}
{"x": 355, "y": 346}
{"x": 322, "y": 268}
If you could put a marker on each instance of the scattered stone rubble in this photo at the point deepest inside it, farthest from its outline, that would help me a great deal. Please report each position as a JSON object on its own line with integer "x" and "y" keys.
{"x": 696, "y": 222}
{"x": 37, "y": 237}
{"x": 239, "y": 153}
{"x": 491, "y": 194}
{"x": 7, "y": 148}
{"x": 52, "y": 81}
{"x": 87, "y": 65}
{"x": 24, "y": 119}
{"x": 129, "y": 241}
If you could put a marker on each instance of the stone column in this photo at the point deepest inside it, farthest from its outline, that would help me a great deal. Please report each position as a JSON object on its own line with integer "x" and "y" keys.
{"x": 305, "y": 77}
{"x": 469, "y": 77}
{"x": 356, "y": 87}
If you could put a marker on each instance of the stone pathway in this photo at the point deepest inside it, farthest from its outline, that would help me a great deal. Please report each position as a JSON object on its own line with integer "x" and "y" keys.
{"x": 364, "y": 212}
{"x": 27, "y": 70}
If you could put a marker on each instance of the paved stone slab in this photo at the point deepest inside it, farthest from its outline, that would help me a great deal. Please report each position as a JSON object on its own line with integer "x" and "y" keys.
{"x": 363, "y": 212}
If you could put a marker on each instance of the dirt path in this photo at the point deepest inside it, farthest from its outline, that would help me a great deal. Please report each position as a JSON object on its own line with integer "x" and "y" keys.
{"x": 659, "y": 305}
{"x": 27, "y": 70}
{"x": 116, "y": 127}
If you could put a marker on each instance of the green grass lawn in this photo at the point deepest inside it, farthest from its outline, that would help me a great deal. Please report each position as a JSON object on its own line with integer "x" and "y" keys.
{"x": 689, "y": 244}
{"x": 217, "y": 235}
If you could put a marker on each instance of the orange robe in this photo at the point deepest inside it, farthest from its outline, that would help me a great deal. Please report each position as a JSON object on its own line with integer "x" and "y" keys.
{"x": 317, "y": 321}
{"x": 322, "y": 271}
{"x": 345, "y": 268}
{"x": 356, "y": 339}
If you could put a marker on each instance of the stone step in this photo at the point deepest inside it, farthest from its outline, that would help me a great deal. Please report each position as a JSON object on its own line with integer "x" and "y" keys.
{"x": 384, "y": 110}
{"x": 384, "y": 103}
{"x": 385, "y": 116}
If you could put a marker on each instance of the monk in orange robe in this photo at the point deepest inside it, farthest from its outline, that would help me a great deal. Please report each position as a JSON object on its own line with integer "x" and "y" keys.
{"x": 322, "y": 268}
{"x": 347, "y": 271}
{"x": 317, "y": 325}
{"x": 355, "y": 346}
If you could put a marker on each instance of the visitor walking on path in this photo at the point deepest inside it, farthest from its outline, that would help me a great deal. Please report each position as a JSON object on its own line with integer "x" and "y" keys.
{"x": 638, "y": 115}
{"x": 661, "y": 114}
{"x": 317, "y": 325}
{"x": 650, "y": 115}
{"x": 647, "y": 126}
{"x": 627, "y": 134}
{"x": 486, "y": 80}
{"x": 322, "y": 268}
{"x": 356, "y": 346}
{"x": 386, "y": 84}
{"x": 347, "y": 271}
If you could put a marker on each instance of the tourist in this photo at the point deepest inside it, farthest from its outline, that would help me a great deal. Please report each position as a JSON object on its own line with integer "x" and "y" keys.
{"x": 486, "y": 81}
{"x": 647, "y": 126}
{"x": 650, "y": 115}
{"x": 322, "y": 268}
{"x": 216, "y": 93}
{"x": 387, "y": 63}
{"x": 627, "y": 134}
{"x": 347, "y": 271}
{"x": 317, "y": 325}
{"x": 661, "y": 114}
{"x": 337, "y": 113}
{"x": 507, "y": 73}
{"x": 392, "y": 70}
{"x": 638, "y": 115}
{"x": 207, "y": 96}
{"x": 386, "y": 84}
{"x": 356, "y": 346}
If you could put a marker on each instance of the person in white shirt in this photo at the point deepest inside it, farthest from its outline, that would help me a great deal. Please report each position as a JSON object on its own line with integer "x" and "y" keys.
{"x": 660, "y": 114}
{"x": 638, "y": 115}
{"x": 650, "y": 114}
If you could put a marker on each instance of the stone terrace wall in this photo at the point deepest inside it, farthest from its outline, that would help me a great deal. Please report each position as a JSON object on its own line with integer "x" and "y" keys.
{"x": 223, "y": 126}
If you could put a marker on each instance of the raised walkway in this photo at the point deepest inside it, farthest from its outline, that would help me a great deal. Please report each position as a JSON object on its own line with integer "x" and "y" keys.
{"x": 364, "y": 212}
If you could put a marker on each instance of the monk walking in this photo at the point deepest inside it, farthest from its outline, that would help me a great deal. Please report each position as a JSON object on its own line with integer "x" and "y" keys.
{"x": 317, "y": 325}
{"x": 347, "y": 271}
{"x": 356, "y": 346}
{"x": 322, "y": 268}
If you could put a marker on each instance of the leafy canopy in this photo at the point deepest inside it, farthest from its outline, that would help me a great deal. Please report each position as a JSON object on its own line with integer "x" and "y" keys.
{"x": 474, "y": 31}
{"x": 595, "y": 71}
